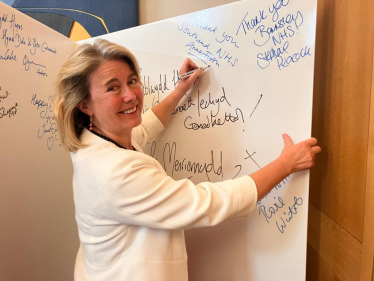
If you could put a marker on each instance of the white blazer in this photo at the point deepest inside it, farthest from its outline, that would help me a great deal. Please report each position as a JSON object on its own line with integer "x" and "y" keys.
{"x": 131, "y": 214}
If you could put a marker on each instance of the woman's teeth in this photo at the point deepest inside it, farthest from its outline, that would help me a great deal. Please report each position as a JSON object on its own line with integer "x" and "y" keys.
{"x": 129, "y": 110}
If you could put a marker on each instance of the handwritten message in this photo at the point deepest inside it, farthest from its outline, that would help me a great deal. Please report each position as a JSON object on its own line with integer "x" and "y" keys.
{"x": 173, "y": 162}
{"x": 48, "y": 128}
{"x": 210, "y": 44}
{"x": 209, "y": 109}
{"x": 273, "y": 29}
{"x": 19, "y": 48}
{"x": 200, "y": 110}
{"x": 7, "y": 110}
{"x": 277, "y": 212}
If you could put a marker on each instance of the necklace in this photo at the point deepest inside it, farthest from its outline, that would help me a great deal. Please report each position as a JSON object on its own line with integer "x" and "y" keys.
{"x": 110, "y": 140}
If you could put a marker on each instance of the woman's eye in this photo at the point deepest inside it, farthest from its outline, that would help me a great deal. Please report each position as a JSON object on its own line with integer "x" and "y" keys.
{"x": 112, "y": 88}
{"x": 133, "y": 81}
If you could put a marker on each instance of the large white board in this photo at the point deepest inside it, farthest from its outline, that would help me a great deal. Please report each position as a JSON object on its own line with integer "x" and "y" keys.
{"x": 260, "y": 85}
{"x": 230, "y": 124}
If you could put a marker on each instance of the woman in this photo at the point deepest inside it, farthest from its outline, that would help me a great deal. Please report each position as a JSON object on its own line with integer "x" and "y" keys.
{"x": 130, "y": 214}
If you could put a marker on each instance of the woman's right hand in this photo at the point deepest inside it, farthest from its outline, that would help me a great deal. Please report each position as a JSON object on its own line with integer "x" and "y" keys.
{"x": 300, "y": 156}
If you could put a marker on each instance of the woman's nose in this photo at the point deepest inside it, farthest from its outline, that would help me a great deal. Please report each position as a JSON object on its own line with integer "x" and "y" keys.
{"x": 129, "y": 95}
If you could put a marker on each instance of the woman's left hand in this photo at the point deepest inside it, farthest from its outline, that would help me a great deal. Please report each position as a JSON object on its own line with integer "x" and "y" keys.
{"x": 186, "y": 84}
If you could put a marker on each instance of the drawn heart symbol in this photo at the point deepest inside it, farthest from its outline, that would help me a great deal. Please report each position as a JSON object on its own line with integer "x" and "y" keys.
{"x": 50, "y": 141}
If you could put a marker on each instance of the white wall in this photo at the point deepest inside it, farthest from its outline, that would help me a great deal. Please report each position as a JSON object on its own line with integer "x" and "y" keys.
{"x": 155, "y": 10}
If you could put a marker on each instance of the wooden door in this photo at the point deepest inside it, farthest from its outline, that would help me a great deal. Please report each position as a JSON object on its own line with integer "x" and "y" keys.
{"x": 341, "y": 207}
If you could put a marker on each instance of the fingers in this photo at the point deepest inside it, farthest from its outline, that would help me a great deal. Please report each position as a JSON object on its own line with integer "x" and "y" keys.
{"x": 185, "y": 84}
{"x": 316, "y": 149}
{"x": 311, "y": 142}
{"x": 287, "y": 140}
{"x": 300, "y": 156}
{"x": 311, "y": 148}
{"x": 188, "y": 65}
{"x": 194, "y": 75}
{"x": 191, "y": 64}
{"x": 311, "y": 155}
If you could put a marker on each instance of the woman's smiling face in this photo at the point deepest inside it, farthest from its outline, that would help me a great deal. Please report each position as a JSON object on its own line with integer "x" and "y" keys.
{"x": 116, "y": 98}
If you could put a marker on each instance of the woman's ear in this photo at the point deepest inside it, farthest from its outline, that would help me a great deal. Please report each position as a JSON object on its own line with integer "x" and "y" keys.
{"x": 84, "y": 107}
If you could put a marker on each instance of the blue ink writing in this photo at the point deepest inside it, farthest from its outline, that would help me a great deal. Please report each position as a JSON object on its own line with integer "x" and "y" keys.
{"x": 200, "y": 22}
{"x": 8, "y": 56}
{"x": 227, "y": 38}
{"x": 290, "y": 22}
{"x": 285, "y": 62}
{"x": 27, "y": 63}
{"x": 290, "y": 215}
{"x": 41, "y": 72}
{"x": 264, "y": 59}
{"x": 269, "y": 212}
{"x": 194, "y": 35}
{"x": 252, "y": 23}
{"x": 274, "y": 9}
{"x": 226, "y": 56}
{"x": 45, "y": 48}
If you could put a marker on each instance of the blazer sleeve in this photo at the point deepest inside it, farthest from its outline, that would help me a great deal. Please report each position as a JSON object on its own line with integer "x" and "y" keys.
{"x": 147, "y": 131}
{"x": 139, "y": 192}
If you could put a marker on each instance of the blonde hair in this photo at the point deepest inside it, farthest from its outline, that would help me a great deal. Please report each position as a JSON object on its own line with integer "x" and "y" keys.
{"x": 73, "y": 87}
